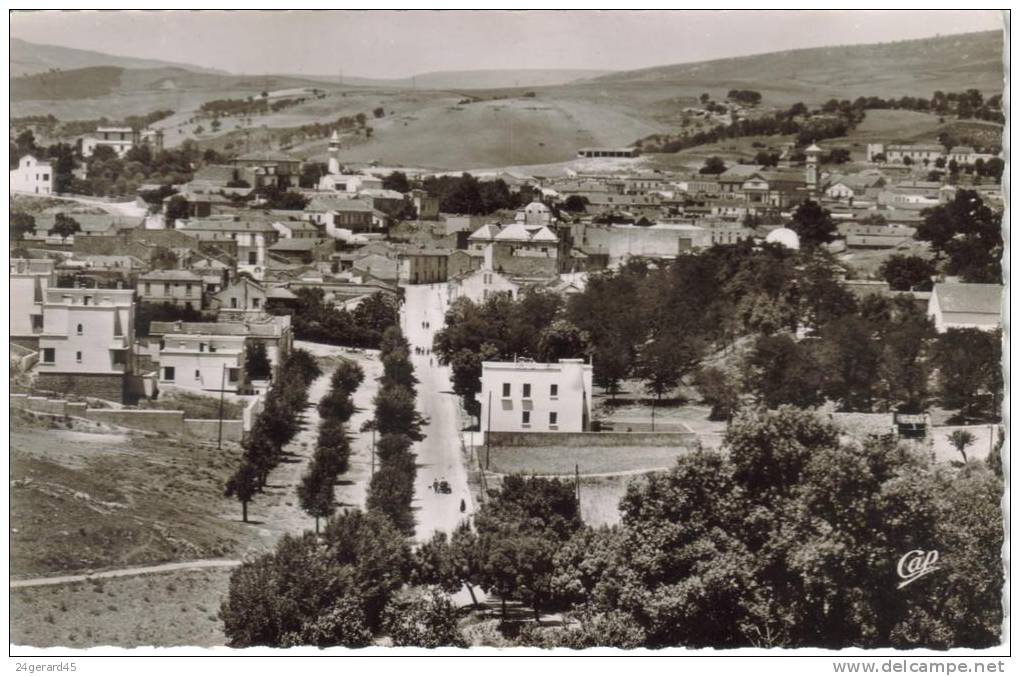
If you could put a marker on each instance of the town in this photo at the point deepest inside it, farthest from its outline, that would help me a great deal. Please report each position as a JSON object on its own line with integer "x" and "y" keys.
{"x": 314, "y": 400}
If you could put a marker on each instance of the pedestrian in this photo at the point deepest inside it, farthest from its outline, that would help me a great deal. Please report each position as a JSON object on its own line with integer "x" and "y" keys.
{"x": 463, "y": 506}
{"x": 435, "y": 485}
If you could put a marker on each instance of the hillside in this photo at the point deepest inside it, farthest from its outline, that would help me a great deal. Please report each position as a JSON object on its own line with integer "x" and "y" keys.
{"x": 910, "y": 67}
{"x": 481, "y": 79}
{"x": 29, "y": 58}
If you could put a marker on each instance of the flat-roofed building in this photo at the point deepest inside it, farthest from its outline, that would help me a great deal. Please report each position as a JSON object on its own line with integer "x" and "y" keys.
{"x": 30, "y": 278}
{"x": 87, "y": 343}
{"x": 182, "y": 288}
{"x": 526, "y": 396}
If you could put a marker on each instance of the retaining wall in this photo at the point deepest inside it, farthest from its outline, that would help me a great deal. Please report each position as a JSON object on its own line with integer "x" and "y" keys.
{"x": 594, "y": 439}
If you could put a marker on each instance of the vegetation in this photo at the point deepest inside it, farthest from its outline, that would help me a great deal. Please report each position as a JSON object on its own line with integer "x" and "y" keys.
{"x": 968, "y": 234}
{"x": 315, "y": 321}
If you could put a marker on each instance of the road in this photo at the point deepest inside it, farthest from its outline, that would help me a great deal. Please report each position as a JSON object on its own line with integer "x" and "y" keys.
{"x": 126, "y": 572}
{"x": 439, "y": 455}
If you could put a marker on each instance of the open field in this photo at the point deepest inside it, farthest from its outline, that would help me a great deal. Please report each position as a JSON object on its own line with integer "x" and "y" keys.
{"x": 560, "y": 460}
{"x": 167, "y": 609}
{"x": 88, "y": 500}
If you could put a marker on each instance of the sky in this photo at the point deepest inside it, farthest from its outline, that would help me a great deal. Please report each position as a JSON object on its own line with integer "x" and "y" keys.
{"x": 393, "y": 44}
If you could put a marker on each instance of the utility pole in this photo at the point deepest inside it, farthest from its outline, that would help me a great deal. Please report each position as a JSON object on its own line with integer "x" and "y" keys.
{"x": 223, "y": 390}
{"x": 373, "y": 450}
{"x": 577, "y": 486}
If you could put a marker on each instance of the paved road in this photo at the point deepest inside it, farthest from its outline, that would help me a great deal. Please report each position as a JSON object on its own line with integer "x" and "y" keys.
{"x": 127, "y": 572}
{"x": 439, "y": 455}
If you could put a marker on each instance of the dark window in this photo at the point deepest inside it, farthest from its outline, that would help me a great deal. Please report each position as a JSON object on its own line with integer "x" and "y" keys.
{"x": 527, "y": 390}
{"x": 506, "y": 389}
{"x": 552, "y": 418}
{"x": 526, "y": 417}
{"x": 169, "y": 373}
{"x": 81, "y": 330}
{"x": 554, "y": 390}
{"x": 49, "y": 355}
{"x": 77, "y": 357}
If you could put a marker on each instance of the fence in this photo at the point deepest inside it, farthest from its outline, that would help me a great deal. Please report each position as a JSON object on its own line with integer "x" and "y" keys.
{"x": 591, "y": 439}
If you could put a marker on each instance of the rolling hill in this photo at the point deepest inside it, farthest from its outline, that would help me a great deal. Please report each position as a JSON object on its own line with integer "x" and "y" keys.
{"x": 29, "y": 58}
{"x": 910, "y": 67}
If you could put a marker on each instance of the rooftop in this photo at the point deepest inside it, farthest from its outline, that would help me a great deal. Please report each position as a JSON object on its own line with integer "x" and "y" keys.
{"x": 971, "y": 298}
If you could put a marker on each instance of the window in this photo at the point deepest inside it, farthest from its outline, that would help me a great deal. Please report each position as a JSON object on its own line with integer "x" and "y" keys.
{"x": 198, "y": 375}
{"x": 554, "y": 390}
{"x": 148, "y": 289}
{"x": 212, "y": 348}
{"x": 81, "y": 330}
{"x": 255, "y": 303}
{"x": 525, "y": 418}
{"x": 527, "y": 391}
{"x": 166, "y": 289}
{"x": 201, "y": 347}
{"x": 506, "y": 390}
{"x": 232, "y": 375}
{"x": 233, "y": 303}
{"x": 49, "y": 355}
{"x": 187, "y": 289}
{"x": 119, "y": 357}
{"x": 252, "y": 257}
{"x": 169, "y": 373}
{"x": 45, "y": 177}
{"x": 87, "y": 300}
{"x": 552, "y": 418}
{"x": 77, "y": 357}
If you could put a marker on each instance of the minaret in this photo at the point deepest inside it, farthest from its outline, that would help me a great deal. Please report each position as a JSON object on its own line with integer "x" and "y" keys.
{"x": 334, "y": 153}
{"x": 811, "y": 172}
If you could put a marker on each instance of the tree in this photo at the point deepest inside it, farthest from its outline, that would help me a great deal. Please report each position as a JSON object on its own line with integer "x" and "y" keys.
{"x": 315, "y": 492}
{"x": 813, "y": 224}
{"x": 849, "y": 355}
{"x": 396, "y": 180}
{"x": 176, "y": 207}
{"x": 719, "y": 389}
{"x": 904, "y": 367}
{"x": 961, "y": 439}
{"x": 242, "y": 485}
{"x": 713, "y": 165}
{"x": 562, "y": 340}
{"x": 426, "y": 619}
{"x": 664, "y": 361}
{"x": 575, "y": 204}
{"x": 64, "y": 226}
{"x": 256, "y": 361}
{"x": 347, "y": 376}
{"x": 379, "y": 112}
{"x": 21, "y": 224}
{"x": 969, "y": 364}
{"x": 779, "y": 370}
{"x": 907, "y": 273}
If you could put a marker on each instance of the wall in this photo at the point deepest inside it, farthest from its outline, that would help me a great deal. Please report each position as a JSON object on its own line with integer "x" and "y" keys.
{"x": 165, "y": 422}
{"x": 109, "y": 387}
{"x": 593, "y": 439}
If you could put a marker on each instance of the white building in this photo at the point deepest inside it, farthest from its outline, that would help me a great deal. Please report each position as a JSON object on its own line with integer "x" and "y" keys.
{"x": 965, "y": 306}
{"x": 30, "y": 278}
{"x": 202, "y": 361}
{"x": 526, "y": 396}
{"x": 87, "y": 342}
{"x": 121, "y": 139}
{"x": 479, "y": 286}
{"x": 32, "y": 175}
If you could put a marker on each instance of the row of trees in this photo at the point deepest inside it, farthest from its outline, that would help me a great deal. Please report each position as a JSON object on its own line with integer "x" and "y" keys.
{"x": 398, "y": 425}
{"x": 332, "y": 447}
{"x": 318, "y": 321}
{"x": 275, "y": 426}
{"x": 465, "y": 194}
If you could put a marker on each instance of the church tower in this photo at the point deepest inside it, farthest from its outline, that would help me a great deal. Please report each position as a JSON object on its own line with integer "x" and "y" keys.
{"x": 334, "y": 153}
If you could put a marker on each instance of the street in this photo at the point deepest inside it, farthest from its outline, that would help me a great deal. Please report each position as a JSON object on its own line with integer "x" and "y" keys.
{"x": 439, "y": 455}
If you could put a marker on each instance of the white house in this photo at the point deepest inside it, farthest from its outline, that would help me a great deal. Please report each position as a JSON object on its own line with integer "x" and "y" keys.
{"x": 527, "y": 396}
{"x": 30, "y": 277}
{"x": 121, "y": 139}
{"x": 481, "y": 285}
{"x": 202, "y": 361}
{"x": 965, "y": 306}
{"x": 32, "y": 175}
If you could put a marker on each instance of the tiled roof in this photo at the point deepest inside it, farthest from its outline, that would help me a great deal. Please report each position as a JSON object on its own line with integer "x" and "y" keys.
{"x": 170, "y": 276}
{"x": 970, "y": 298}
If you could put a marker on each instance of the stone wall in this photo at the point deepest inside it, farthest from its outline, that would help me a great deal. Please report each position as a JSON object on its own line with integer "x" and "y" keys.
{"x": 593, "y": 439}
{"x": 98, "y": 386}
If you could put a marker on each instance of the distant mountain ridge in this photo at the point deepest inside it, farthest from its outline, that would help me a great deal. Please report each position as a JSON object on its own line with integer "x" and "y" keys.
{"x": 30, "y": 58}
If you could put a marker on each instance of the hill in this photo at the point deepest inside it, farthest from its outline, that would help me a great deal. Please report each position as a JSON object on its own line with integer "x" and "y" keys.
{"x": 910, "y": 67}
{"x": 29, "y": 58}
{"x": 481, "y": 79}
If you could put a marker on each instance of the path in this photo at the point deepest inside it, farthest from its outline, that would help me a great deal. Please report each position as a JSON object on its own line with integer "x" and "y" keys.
{"x": 439, "y": 455}
{"x": 127, "y": 572}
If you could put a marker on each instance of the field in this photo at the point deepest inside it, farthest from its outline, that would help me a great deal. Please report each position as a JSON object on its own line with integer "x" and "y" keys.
{"x": 89, "y": 500}
{"x": 167, "y": 609}
{"x": 560, "y": 460}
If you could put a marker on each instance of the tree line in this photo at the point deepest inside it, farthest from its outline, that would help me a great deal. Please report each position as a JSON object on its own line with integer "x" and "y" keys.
{"x": 398, "y": 425}
{"x": 332, "y": 447}
{"x": 317, "y": 321}
{"x": 274, "y": 427}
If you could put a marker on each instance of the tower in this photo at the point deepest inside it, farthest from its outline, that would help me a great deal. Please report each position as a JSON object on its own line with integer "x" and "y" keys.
{"x": 811, "y": 171}
{"x": 334, "y": 153}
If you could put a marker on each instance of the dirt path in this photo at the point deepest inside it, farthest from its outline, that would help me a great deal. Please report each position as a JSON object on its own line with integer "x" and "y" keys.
{"x": 126, "y": 572}
{"x": 439, "y": 455}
